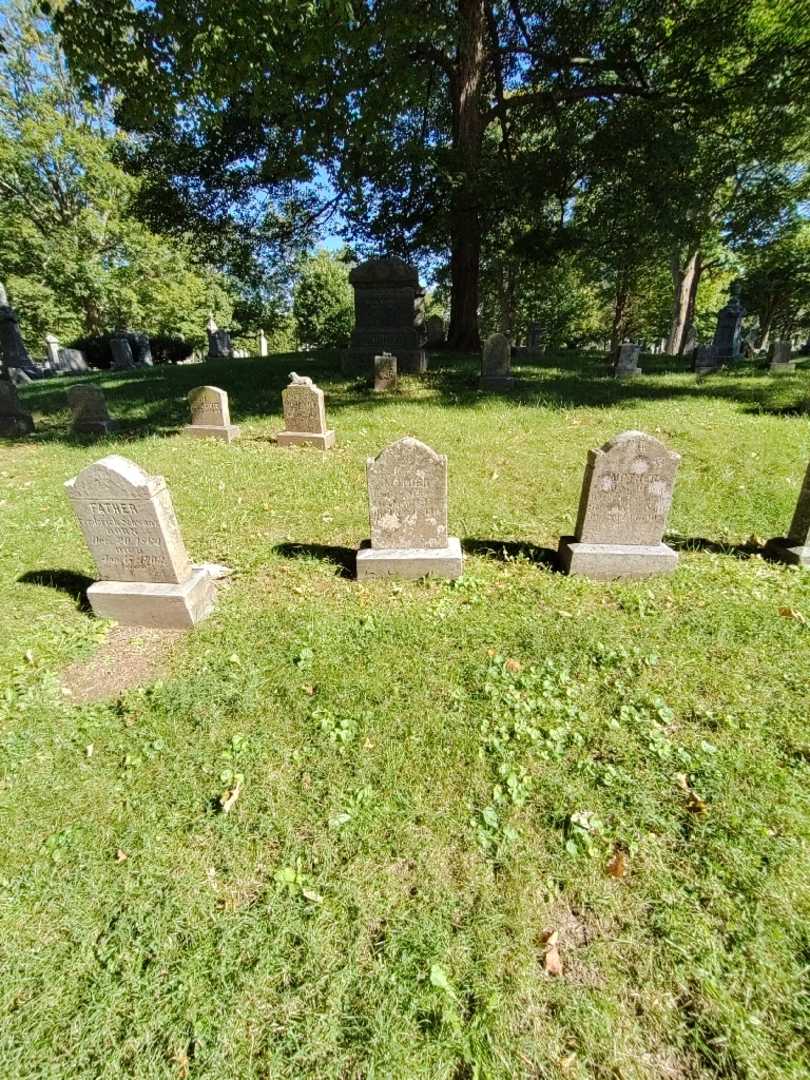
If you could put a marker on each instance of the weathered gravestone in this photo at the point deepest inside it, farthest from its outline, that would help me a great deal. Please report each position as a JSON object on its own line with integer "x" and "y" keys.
{"x": 623, "y": 508}
{"x": 14, "y": 420}
{"x": 534, "y": 339}
{"x": 72, "y": 361}
{"x": 627, "y": 366}
{"x": 435, "y": 330}
{"x": 13, "y": 353}
{"x": 496, "y": 364}
{"x": 706, "y": 360}
{"x": 407, "y": 496}
{"x": 304, "y": 415}
{"x": 727, "y": 336}
{"x": 795, "y": 547}
{"x": 385, "y": 372}
{"x": 52, "y": 349}
{"x": 388, "y": 302}
{"x": 122, "y": 358}
{"x": 210, "y": 415}
{"x": 141, "y": 349}
{"x": 89, "y": 408}
{"x": 261, "y": 342}
{"x": 219, "y": 342}
{"x": 130, "y": 527}
{"x": 782, "y": 361}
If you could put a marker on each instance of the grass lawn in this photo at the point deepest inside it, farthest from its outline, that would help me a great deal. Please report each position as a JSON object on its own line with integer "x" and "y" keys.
{"x": 446, "y": 789}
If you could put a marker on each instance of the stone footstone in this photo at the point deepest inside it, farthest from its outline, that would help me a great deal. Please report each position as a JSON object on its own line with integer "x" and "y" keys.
{"x": 14, "y": 420}
{"x": 304, "y": 415}
{"x": 210, "y": 415}
{"x": 794, "y": 549}
{"x": 623, "y": 509}
{"x": 407, "y": 494}
{"x": 496, "y": 364}
{"x": 130, "y": 527}
{"x": 89, "y": 408}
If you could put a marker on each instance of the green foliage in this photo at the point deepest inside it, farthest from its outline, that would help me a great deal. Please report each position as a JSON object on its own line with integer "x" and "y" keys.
{"x": 323, "y": 302}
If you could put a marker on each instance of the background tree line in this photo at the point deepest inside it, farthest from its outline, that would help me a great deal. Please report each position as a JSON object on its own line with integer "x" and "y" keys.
{"x": 605, "y": 168}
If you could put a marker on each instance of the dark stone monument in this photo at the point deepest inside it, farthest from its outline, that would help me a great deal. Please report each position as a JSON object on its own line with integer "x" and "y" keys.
{"x": 219, "y": 342}
{"x": 388, "y": 313}
{"x": 13, "y": 353}
{"x": 727, "y": 338}
{"x": 627, "y": 366}
{"x": 122, "y": 358}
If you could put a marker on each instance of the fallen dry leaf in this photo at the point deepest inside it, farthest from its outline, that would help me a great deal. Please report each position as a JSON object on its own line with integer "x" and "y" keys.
{"x": 694, "y": 804}
{"x": 552, "y": 961}
{"x": 513, "y": 665}
{"x": 183, "y": 1064}
{"x": 121, "y": 856}
{"x": 617, "y": 864}
{"x": 228, "y": 798}
{"x": 309, "y": 690}
{"x": 792, "y": 613}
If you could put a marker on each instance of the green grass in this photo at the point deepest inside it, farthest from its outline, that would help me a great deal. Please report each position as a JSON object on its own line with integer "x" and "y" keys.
{"x": 376, "y": 903}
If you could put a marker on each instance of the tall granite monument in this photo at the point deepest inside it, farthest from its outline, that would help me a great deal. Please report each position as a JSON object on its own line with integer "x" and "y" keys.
{"x": 407, "y": 496}
{"x": 727, "y": 341}
{"x": 623, "y": 509}
{"x": 130, "y": 527}
{"x": 388, "y": 313}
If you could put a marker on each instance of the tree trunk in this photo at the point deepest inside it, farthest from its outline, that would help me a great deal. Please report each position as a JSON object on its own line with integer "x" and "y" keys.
{"x": 685, "y": 279}
{"x": 619, "y": 312}
{"x": 465, "y": 213}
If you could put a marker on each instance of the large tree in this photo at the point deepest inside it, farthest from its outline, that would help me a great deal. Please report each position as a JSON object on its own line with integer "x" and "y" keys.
{"x": 399, "y": 100}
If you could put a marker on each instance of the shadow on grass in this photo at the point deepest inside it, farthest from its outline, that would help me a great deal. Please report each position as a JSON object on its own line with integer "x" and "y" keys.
{"x": 715, "y": 547}
{"x": 342, "y": 557}
{"x": 66, "y": 581}
{"x": 507, "y": 550}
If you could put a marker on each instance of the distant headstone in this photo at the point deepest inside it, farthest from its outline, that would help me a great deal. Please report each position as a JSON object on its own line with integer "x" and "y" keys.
{"x": 89, "y": 408}
{"x": 219, "y": 342}
{"x": 534, "y": 339}
{"x": 627, "y": 366}
{"x": 122, "y": 358}
{"x": 407, "y": 495}
{"x": 261, "y": 342}
{"x": 706, "y": 360}
{"x": 496, "y": 364}
{"x": 130, "y": 527}
{"x": 388, "y": 313}
{"x": 14, "y": 420}
{"x": 794, "y": 548}
{"x": 13, "y": 353}
{"x": 436, "y": 331}
{"x": 623, "y": 509}
{"x": 210, "y": 415}
{"x": 727, "y": 343}
{"x": 72, "y": 361}
{"x": 141, "y": 350}
{"x": 385, "y": 372}
{"x": 781, "y": 358}
{"x": 52, "y": 349}
{"x": 304, "y": 415}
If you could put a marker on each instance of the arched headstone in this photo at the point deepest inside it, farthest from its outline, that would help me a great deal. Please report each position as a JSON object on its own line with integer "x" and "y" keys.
{"x": 210, "y": 415}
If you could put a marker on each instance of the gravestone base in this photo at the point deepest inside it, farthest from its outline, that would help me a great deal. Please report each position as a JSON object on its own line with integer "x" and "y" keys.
{"x": 496, "y": 383}
{"x": 783, "y": 369}
{"x": 780, "y": 549}
{"x": 94, "y": 427}
{"x": 628, "y": 373}
{"x": 146, "y": 603}
{"x": 226, "y": 433}
{"x": 323, "y": 441}
{"x": 12, "y": 426}
{"x": 410, "y": 563}
{"x": 603, "y": 562}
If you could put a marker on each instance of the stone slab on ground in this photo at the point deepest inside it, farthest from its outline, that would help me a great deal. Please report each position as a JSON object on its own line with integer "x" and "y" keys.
{"x": 323, "y": 441}
{"x": 604, "y": 562}
{"x": 158, "y": 604}
{"x": 411, "y": 563}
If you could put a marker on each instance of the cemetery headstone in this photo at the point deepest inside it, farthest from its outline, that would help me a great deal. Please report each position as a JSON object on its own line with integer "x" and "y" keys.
{"x": 219, "y": 342}
{"x": 14, "y": 420}
{"x": 130, "y": 527}
{"x": 89, "y": 408}
{"x": 407, "y": 496}
{"x": 794, "y": 548}
{"x": 623, "y": 509}
{"x": 727, "y": 335}
{"x": 388, "y": 313}
{"x": 436, "y": 331}
{"x": 13, "y": 353}
{"x": 627, "y": 366}
{"x": 304, "y": 415}
{"x": 210, "y": 415}
{"x": 534, "y": 339}
{"x": 385, "y": 372}
{"x": 72, "y": 361}
{"x": 52, "y": 349}
{"x": 496, "y": 364}
{"x": 122, "y": 358}
{"x": 782, "y": 361}
{"x": 141, "y": 350}
{"x": 707, "y": 360}
{"x": 262, "y": 343}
